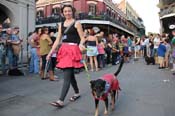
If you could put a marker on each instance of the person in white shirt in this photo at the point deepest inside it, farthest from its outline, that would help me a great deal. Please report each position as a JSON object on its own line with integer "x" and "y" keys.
{"x": 156, "y": 42}
{"x": 147, "y": 46}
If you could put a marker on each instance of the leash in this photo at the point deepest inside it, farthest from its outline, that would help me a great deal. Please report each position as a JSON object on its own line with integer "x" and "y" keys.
{"x": 46, "y": 67}
{"x": 86, "y": 67}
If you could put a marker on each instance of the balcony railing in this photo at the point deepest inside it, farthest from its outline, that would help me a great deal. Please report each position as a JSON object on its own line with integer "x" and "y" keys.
{"x": 167, "y": 11}
{"x": 167, "y": 2}
{"x": 83, "y": 16}
{"x": 51, "y": 19}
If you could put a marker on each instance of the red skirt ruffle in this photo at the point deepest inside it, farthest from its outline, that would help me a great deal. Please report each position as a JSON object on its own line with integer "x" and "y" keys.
{"x": 69, "y": 56}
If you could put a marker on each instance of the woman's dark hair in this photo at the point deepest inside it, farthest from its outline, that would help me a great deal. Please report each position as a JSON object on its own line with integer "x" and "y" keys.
{"x": 167, "y": 40}
{"x": 70, "y": 6}
{"x": 91, "y": 32}
{"x": 30, "y": 33}
{"x": 43, "y": 29}
{"x": 36, "y": 30}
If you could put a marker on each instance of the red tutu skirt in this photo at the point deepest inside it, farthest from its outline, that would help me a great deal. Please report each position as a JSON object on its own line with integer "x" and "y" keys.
{"x": 69, "y": 56}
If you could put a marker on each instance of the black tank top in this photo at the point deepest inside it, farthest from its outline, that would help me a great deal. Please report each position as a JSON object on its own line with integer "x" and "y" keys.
{"x": 91, "y": 43}
{"x": 72, "y": 35}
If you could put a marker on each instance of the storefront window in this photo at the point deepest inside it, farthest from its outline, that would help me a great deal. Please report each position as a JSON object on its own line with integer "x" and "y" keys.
{"x": 56, "y": 11}
{"x": 40, "y": 13}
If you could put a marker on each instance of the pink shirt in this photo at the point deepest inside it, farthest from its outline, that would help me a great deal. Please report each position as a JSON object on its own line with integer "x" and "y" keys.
{"x": 100, "y": 49}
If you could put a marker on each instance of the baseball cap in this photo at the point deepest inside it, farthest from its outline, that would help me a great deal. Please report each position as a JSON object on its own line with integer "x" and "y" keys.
{"x": 172, "y": 27}
{"x": 96, "y": 29}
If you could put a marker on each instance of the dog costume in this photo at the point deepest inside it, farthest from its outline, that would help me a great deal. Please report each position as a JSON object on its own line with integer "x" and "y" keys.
{"x": 111, "y": 84}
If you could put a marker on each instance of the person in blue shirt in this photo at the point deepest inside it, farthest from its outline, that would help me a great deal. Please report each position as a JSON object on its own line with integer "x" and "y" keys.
{"x": 16, "y": 46}
{"x": 12, "y": 40}
{"x": 161, "y": 54}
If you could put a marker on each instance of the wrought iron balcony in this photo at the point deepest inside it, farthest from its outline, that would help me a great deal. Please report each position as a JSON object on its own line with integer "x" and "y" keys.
{"x": 165, "y": 3}
{"x": 83, "y": 16}
{"x": 166, "y": 11}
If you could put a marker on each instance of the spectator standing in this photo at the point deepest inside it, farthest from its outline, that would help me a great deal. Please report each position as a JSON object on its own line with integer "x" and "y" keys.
{"x": 34, "y": 58}
{"x": 16, "y": 46}
{"x": 173, "y": 47}
{"x": 161, "y": 50}
{"x": 101, "y": 53}
{"x": 167, "y": 54}
{"x": 115, "y": 51}
{"x": 108, "y": 49}
{"x": 2, "y": 50}
{"x": 45, "y": 47}
{"x": 9, "y": 48}
{"x": 156, "y": 45}
{"x": 92, "y": 50}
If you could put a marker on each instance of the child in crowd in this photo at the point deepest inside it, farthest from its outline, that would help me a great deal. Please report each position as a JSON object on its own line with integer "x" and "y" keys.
{"x": 161, "y": 55}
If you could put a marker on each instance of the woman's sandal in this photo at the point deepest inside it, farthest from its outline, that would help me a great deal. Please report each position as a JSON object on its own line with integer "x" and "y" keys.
{"x": 57, "y": 104}
{"x": 74, "y": 98}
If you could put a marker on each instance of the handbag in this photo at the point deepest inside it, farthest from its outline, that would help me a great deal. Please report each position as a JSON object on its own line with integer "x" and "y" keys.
{"x": 16, "y": 48}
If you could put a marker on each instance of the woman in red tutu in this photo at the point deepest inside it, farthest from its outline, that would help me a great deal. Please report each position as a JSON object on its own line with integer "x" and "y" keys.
{"x": 69, "y": 54}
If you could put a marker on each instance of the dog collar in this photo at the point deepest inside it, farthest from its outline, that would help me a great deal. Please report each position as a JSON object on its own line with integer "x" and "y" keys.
{"x": 107, "y": 87}
{"x": 105, "y": 94}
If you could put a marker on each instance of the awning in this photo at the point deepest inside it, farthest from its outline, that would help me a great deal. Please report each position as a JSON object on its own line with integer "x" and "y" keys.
{"x": 40, "y": 8}
{"x": 106, "y": 23}
{"x": 168, "y": 15}
{"x": 56, "y": 6}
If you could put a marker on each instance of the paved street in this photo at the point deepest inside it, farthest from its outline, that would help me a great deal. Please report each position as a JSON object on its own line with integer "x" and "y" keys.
{"x": 146, "y": 91}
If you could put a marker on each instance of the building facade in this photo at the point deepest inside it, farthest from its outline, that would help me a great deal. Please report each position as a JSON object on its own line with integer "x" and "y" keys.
{"x": 19, "y": 13}
{"x": 166, "y": 14}
{"x": 134, "y": 21}
{"x": 102, "y": 13}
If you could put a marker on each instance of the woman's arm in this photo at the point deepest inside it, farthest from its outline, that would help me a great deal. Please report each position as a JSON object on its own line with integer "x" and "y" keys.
{"x": 80, "y": 32}
{"x": 96, "y": 40}
{"x": 103, "y": 45}
{"x": 56, "y": 42}
{"x": 49, "y": 40}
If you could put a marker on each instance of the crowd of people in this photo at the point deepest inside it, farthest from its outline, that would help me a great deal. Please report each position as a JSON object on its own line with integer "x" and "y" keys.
{"x": 10, "y": 47}
{"x": 100, "y": 49}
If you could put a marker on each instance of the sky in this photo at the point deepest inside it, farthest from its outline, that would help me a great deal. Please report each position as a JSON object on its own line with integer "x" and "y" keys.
{"x": 148, "y": 11}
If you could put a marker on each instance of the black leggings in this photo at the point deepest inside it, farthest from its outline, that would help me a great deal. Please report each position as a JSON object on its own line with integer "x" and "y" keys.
{"x": 69, "y": 78}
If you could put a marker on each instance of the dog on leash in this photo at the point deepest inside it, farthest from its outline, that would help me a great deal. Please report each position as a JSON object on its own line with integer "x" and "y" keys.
{"x": 107, "y": 84}
{"x": 15, "y": 72}
{"x": 149, "y": 60}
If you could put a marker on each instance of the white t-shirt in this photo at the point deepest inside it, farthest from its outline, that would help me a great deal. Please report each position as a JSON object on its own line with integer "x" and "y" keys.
{"x": 156, "y": 42}
{"x": 146, "y": 41}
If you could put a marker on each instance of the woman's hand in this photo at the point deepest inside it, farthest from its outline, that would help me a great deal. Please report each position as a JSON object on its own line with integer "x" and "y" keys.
{"x": 82, "y": 47}
{"x": 48, "y": 57}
